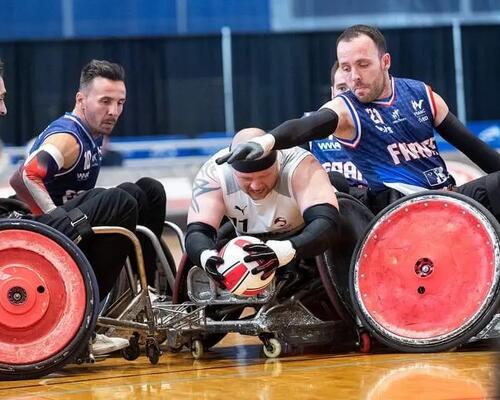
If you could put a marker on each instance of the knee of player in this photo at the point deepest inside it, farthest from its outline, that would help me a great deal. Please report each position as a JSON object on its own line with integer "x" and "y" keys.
{"x": 124, "y": 206}
{"x": 153, "y": 189}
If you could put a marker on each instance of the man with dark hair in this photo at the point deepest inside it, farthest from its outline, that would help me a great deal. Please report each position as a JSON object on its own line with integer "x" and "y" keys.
{"x": 343, "y": 174}
{"x": 96, "y": 207}
{"x": 65, "y": 159}
{"x": 386, "y": 125}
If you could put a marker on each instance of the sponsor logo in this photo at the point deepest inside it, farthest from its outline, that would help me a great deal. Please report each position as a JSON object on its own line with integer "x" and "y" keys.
{"x": 436, "y": 176}
{"x": 417, "y": 105}
{"x": 331, "y": 145}
{"x": 396, "y": 116}
{"x": 82, "y": 176}
{"x": 419, "y": 111}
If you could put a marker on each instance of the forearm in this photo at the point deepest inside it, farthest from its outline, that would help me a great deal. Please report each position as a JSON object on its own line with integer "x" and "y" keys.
{"x": 454, "y": 132}
{"x": 319, "y": 233}
{"x": 199, "y": 237}
{"x": 298, "y": 131}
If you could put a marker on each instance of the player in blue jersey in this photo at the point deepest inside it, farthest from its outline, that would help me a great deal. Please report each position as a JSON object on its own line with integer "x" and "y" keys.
{"x": 343, "y": 174}
{"x": 386, "y": 124}
{"x": 96, "y": 207}
{"x": 65, "y": 159}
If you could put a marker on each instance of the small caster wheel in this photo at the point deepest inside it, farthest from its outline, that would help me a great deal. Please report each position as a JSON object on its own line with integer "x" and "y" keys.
{"x": 197, "y": 349}
{"x": 133, "y": 351}
{"x": 365, "y": 343}
{"x": 153, "y": 352}
{"x": 272, "y": 348}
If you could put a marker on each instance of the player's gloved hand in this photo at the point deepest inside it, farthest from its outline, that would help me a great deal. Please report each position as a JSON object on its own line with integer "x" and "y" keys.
{"x": 270, "y": 256}
{"x": 210, "y": 260}
{"x": 255, "y": 148}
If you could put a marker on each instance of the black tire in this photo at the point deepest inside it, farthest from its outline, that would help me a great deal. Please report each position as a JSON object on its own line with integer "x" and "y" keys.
{"x": 476, "y": 323}
{"x": 335, "y": 263}
{"x": 81, "y": 339}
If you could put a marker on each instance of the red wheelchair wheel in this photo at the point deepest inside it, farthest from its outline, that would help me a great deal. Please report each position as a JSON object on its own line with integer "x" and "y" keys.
{"x": 47, "y": 299}
{"x": 426, "y": 276}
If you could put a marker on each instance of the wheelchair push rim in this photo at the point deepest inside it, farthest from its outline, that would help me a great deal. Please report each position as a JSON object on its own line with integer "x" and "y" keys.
{"x": 426, "y": 276}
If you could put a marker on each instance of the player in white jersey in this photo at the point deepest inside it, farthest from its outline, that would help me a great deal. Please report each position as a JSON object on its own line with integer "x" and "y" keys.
{"x": 284, "y": 199}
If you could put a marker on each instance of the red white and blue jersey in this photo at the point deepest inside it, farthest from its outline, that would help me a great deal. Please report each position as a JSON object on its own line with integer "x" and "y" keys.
{"x": 394, "y": 144}
{"x": 82, "y": 176}
{"x": 333, "y": 157}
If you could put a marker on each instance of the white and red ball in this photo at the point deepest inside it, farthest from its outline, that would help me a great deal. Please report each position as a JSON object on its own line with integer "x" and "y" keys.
{"x": 237, "y": 273}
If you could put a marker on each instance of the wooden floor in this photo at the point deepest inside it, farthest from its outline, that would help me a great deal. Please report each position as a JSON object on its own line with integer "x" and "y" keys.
{"x": 235, "y": 370}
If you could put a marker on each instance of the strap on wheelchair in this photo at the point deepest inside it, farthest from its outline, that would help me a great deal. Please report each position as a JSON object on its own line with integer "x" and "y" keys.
{"x": 78, "y": 221}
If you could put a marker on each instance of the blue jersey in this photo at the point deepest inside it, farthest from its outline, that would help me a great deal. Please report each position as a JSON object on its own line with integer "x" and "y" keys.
{"x": 394, "y": 144}
{"x": 82, "y": 176}
{"x": 333, "y": 157}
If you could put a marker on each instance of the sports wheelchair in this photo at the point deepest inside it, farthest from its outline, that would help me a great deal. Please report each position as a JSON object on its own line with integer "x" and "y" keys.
{"x": 422, "y": 275}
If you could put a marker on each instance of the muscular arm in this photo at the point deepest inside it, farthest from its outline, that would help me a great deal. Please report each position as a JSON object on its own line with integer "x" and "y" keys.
{"x": 57, "y": 152}
{"x": 205, "y": 214}
{"x": 318, "y": 204}
{"x": 457, "y": 134}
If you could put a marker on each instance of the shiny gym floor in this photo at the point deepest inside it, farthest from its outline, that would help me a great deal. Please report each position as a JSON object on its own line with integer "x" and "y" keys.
{"x": 235, "y": 369}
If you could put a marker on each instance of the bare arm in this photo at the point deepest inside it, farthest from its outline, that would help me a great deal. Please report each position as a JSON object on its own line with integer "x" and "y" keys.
{"x": 59, "y": 151}
{"x": 311, "y": 185}
{"x": 207, "y": 202}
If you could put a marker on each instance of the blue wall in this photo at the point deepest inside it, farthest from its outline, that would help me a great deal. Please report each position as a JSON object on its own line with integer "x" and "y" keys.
{"x": 35, "y": 19}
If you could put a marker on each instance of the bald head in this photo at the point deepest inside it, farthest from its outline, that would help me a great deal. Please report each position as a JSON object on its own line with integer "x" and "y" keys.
{"x": 246, "y": 134}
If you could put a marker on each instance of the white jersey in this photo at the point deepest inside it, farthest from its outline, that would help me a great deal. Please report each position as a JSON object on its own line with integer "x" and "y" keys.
{"x": 278, "y": 214}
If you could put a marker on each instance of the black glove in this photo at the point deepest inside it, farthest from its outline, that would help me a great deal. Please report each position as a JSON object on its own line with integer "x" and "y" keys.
{"x": 265, "y": 256}
{"x": 210, "y": 266}
{"x": 243, "y": 151}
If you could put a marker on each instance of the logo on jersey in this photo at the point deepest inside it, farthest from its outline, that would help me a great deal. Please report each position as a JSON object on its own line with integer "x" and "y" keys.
{"x": 242, "y": 210}
{"x": 280, "y": 222}
{"x": 330, "y": 145}
{"x": 82, "y": 176}
{"x": 412, "y": 151}
{"x": 396, "y": 116}
{"x": 417, "y": 105}
{"x": 436, "y": 176}
{"x": 419, "y": 111}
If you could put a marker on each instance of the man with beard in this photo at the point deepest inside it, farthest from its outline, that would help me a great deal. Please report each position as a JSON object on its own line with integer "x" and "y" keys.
{"x": 65, "y": 159}
{"x": 386, "y": 125}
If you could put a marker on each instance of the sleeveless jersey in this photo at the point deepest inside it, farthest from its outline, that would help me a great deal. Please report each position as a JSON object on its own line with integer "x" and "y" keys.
{"x": 82, "y": 176}
{"x": 277, "y": 215}
{"x": 333, "y": 157}
{"x": 394, "y": 144}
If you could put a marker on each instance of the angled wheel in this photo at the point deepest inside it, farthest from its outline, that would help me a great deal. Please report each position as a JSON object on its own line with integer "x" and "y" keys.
{"x": 426, "y": 276}
{"x": 48, "y": 297}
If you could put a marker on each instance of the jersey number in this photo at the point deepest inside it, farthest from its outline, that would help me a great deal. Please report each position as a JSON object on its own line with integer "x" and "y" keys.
{"x": 243, "y": 223}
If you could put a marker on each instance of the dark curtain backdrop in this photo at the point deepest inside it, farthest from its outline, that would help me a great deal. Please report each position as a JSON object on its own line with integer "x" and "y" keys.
{"x": 277, "y": 77}
{"x": 481, "y": 54}
{"x": 175, "y": 83}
